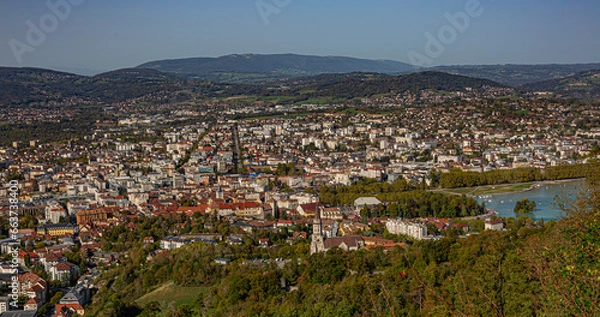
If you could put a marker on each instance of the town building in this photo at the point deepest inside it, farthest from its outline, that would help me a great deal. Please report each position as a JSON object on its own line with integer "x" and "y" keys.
{"x": 412, "y": 229}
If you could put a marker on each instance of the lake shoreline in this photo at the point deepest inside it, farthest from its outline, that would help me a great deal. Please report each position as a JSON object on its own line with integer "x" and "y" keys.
{"x": 544, "y": 193}
{"x": 501, "y": 189}
{"x": 540, "y": 183}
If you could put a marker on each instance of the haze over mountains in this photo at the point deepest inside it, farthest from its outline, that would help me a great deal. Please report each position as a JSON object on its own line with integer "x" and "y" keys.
{"x": 252, "y": 68}
{"x": 255, "y": 67}
{"x": 303, "y": 77}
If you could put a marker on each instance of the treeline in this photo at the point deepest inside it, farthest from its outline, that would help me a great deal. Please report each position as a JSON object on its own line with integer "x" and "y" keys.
{"x": 456, "y": 179}
{"x": 431, "y": 204}
{"x": 420, "y": 203}
{"x": 80, "y": 125}
{"x": 403, "y": 200}
{"x": 366, "y": 85}
{"x": 345, "y": 195}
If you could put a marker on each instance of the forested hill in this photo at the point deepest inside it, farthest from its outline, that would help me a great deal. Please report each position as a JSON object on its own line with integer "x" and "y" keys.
{"x": 584, "y": 85}
{"x": 366, "y": 85}
{"x": 246, "y": 67}
{"x": 19, "y": 85}
{"x": 256, "y": 68}
{"x": 517, "y": 75}
{"x": 131, "y": 83}
{"x": 23, "y": 86}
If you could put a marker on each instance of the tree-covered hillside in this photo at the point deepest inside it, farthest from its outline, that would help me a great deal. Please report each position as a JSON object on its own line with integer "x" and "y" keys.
{"x": 584, "y": 85}
{"x": 517, "y": 75}
{"x": 249, "y": 67}
{"x": 531, "y": 269}
{"x": 24, "y": 86}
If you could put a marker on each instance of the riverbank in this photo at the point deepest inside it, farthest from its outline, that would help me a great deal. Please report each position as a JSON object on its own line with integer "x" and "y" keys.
{"x": 503, "y": 188}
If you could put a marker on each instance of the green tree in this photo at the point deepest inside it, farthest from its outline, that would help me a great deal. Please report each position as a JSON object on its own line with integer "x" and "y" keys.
{"x": 524, "y": 206}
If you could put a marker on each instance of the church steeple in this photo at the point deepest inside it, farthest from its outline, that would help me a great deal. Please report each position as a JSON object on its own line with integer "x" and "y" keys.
{"x": 317, "y": 244}
{"x": 219, "y": 192}
{"x": 317, "y": 223}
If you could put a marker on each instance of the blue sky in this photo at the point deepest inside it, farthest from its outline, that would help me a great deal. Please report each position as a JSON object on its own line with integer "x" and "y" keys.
{"x": 109, "y": 34}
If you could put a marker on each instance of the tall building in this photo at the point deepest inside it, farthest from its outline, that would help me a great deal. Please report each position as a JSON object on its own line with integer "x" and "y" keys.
{"x": 411, "y": 229}
{"x": 317, "y": 244}
{"x": 54, "y": 212}
{"x": 219, "y": 194}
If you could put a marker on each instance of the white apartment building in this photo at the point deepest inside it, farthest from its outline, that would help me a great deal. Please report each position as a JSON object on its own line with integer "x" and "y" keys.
{"x": 411, "y": 229}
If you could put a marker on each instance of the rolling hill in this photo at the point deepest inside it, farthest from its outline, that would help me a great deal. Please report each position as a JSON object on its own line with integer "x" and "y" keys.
{"x": 30, "y": 85}
{"x": 20, "y": 85}
{"x": 23, "y": 86}
{"x": 367, "y": 84}
{"x": 517, "y": 75}
{"x": 255, "y": 67}
{"x": 584, "y": 85}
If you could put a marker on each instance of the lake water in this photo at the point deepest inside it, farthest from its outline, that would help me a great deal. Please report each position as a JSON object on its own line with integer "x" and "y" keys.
{"x": 543, "y": 194}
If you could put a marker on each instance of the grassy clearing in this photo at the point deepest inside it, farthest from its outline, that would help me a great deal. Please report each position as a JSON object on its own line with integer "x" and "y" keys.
{"x": 171, "y": 293}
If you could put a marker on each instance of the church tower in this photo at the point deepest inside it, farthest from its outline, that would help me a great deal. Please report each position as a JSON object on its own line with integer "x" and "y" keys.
{"x": 219, "y": 192}
{"x": 317, "y": 244}
{"x": 274, "y": 208}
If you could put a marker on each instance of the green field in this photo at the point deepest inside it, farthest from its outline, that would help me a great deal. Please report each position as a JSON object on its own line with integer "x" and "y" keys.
{"x": 171, "y": 293}
{"x": 289, "y": 116}
{"x": 253, "y": 99}
{"x": 489, "y": 190}
{"x": 276, "y": 98}
{"x": 322, "y": 100}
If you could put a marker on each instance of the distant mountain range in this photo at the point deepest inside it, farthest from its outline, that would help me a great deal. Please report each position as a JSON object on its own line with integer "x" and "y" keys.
{"x": 517, "y": 75}
{"x": 254, "y": 67}
{"x": 584, "y": 85}
{"x": 23, "y": 86}
{"x": 296, "y": 77}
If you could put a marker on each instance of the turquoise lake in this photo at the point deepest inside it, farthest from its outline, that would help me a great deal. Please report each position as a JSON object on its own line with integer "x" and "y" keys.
{"x": 544, "y": 194}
